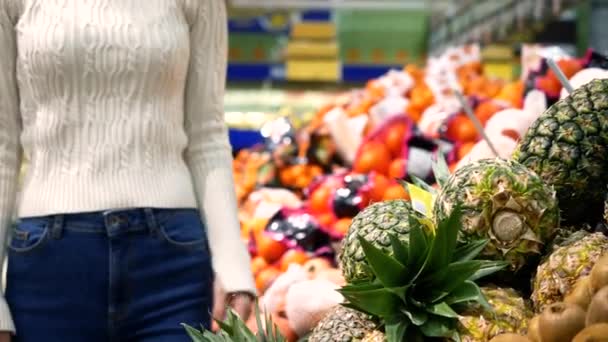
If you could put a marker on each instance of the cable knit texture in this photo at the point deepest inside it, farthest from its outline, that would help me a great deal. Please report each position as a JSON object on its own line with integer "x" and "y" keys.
{"x": 118, "y": 104}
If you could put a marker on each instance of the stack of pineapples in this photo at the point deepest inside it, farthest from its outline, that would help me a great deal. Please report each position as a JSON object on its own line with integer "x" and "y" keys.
{"x": 506, "y": 239}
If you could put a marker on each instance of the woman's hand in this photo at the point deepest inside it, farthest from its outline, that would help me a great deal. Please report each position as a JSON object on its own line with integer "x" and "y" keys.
{"x": 240, "y": 302}
{"x": 5, "y": 337}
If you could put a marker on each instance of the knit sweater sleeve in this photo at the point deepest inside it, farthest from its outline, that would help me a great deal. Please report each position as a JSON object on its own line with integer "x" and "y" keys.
{"x": 209, "y": 153}
{"x": 10, "y": 128}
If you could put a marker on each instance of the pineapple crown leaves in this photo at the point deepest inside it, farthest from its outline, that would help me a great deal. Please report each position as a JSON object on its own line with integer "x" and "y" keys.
{"x": 233, "y": 329}
{"x": 417, "y": 290}
{"x": 441, "y": 172}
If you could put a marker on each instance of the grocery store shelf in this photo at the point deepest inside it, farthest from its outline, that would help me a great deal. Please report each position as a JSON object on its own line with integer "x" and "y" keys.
{"x": 332, "y": 4}
{"x": 277, "y": 72}
{"x": 492, "y": 21}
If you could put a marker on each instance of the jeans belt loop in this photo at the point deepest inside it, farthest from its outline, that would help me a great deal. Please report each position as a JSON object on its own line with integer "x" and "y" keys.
{"x": 151, "y": 221}
{"x": 57, "y": 227}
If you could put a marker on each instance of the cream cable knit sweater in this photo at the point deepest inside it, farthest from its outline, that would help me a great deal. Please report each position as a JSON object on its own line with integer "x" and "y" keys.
{"x": 118, "y": 104}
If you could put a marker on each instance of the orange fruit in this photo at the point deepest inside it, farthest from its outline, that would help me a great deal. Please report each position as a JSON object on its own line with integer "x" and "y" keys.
{"x": 462, "y": 129}
{"x": 292, "y": 256}
{"x": 287, "y": 176}
{"x": 258, "y": 264}
{"x": 265, "y": 278}
{"x": 374, "y": 157}
{"x": 268, "y": 248}
{"x": 342, "y": 225}
{"x": 395, "y": 191}
{"x": 486, "y": 110}
{"x": 320, "y": 200}
{"x": 397, "y": 168}
{"x": 326, "y": 219}
{"x": 464, "y": 149}
{"x": 394, "y": 138}
{"x": 379, "y": 183}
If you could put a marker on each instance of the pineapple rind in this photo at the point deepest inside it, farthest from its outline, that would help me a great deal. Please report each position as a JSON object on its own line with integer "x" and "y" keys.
{"x": 567, "y": 147}
{"x": 489, "y": 187}
{"x": 557, "y": 275}
{"x": 342, "y": 324}
{"x": 375, "y": 223}
{"x": 511, "y": 315}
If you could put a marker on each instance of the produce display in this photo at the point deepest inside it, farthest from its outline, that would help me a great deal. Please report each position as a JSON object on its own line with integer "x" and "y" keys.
{"x": 391, "y": 217}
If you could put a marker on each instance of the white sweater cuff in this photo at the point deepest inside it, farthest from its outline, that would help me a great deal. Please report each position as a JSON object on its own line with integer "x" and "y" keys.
{"x": 6, "y": 321}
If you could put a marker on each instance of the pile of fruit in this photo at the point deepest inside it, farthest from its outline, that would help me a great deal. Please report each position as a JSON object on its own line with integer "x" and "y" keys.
{"x": 343, "y": 251}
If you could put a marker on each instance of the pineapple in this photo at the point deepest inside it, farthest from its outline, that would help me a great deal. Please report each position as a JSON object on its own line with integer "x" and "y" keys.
{"x": 606, "y": 210}
{"x": 556, "y": 276}
{"x": 375, "y": 336}
{"x": 504, "y": 202}
{"x": 375, "y": 223}
{"x": 420, "y": 284}
{"x": 567, "y": 147}
{"x": 234, "y": 329}
{"x": 510, "y": 315}
{"x": 342, "y": 324}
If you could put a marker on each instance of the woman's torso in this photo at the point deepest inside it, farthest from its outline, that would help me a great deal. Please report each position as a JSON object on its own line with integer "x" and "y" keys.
{"x": 101, "y": 86}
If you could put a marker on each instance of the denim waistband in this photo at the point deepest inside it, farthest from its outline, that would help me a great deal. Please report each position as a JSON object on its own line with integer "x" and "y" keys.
{"x": 111, "y": 222}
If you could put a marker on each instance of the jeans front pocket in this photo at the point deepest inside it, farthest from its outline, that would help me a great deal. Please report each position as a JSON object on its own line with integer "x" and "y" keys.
{"x": 29, "y": 235}
{"x": 183, "y": 229}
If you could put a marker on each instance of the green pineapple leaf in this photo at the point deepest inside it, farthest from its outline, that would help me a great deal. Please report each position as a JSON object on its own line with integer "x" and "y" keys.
{"x": 400, "y": 291}
{"x": 465, "y": 292}
{"x": 194, "y": 334}
{"x": 470, "y": 250}
{"x": 444, "y": 282}
{"x": 417, "y": 251}
{"x": 441, "y": 171}
{"x": 442, "y": 309}
{"x": 389, "y": 271}
{"x": 440, "y": 327}
{"x": 400, "y": 249}
{"x": 396, "y": 328}
{"x": 378, "y": 302}
{"x": 420, "y": 285}
{"x": 416, "y": 316}
{"x": 444, "y": 243}
{"x": 488, "y": 267}
{"x": 422, "y": 184}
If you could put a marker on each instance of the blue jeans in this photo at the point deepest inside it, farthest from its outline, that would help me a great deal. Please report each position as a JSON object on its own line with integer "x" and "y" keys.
{"x": 132, "y": 275}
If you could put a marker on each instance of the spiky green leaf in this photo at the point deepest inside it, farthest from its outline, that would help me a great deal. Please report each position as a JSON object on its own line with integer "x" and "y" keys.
{"x": 396, "y": 328}
{"x": 400, "y": 249}
{"x": 441, "y": 171}
{"x": 487, "y": 268}
{"x": 465, "y": 292}
{"x": 422, "y": 184}
{"x": 400, "y": 291}
{"x": 470, "y": 250}
{"x": 417, "y": 251}
{"x": 442, "y": 309}
{"x": 380, "y": 302}
{"x": 449, "y": 278}
{"x": 386, "y": 268}
{"x": 194, "y": 334}
{"x": 444, "y": 243}
{"x": 438, "y": 327}
{"x": 417, "y": 316}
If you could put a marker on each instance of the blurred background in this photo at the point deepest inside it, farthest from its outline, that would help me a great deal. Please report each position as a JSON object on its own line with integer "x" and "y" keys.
{"x": 292, "y": 55}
